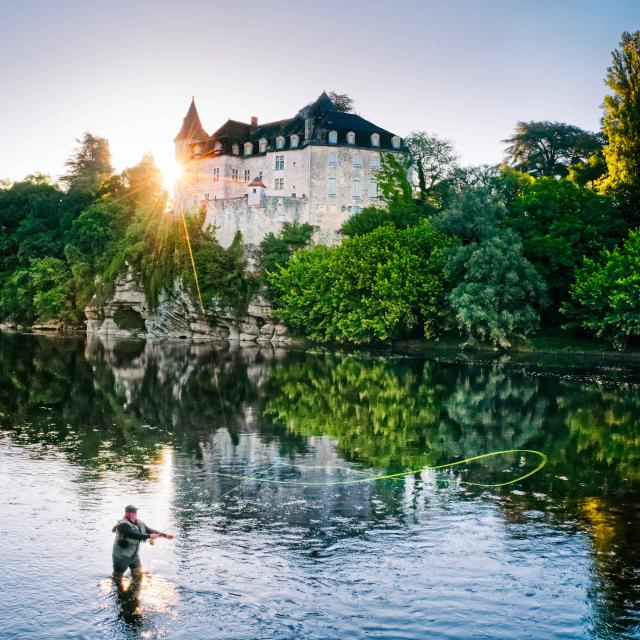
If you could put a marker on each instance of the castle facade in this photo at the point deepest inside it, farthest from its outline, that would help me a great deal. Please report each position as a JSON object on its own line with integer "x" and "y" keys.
{"x": 317, "y": 167}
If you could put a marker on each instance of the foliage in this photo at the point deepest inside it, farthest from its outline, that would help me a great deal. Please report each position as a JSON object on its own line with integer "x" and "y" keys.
{"x": 372, "y": 287}
{"x": 275, "y": 250}
{"x": 90, "y": 165}
{"x": 394, "y": 188}
{"x": 560, "y": 223}
{"x": 548, "y": 148}
{"x": 342, "y": 101}
{"x": 621, "y": 125}
{"x": 371, "y": 218}
{"x": 497, "y": 293}
{"x": 433, "y": 160}
{"x": 605, "y": 297}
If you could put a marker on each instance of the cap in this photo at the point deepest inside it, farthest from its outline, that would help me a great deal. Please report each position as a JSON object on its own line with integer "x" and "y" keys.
{"x": 130, "y": 508}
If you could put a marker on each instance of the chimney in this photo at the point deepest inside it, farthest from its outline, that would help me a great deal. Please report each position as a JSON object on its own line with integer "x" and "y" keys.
{"x": 254, "y": 123}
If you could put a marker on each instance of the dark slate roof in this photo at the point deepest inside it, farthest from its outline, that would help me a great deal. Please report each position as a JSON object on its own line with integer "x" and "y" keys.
{"x": 257, "y": 182}
{"x": 326, "y": 118}
{"x": 191, "y": 126}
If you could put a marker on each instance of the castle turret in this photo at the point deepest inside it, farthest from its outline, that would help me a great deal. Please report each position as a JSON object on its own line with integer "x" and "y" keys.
{"x": 256, "y": 192}
{"x": 191, "y": 131}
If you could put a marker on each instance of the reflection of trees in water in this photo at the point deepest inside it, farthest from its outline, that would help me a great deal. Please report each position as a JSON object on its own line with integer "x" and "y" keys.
{"x": 406, "y": 414}
{"x": 114, "y": 405}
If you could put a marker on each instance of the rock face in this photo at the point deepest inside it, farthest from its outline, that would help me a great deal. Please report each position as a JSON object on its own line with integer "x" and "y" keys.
{"x": 127, "y": 314}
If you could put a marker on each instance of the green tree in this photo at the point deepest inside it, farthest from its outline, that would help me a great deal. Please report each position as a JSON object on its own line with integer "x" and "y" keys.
{"x": 560, "y": 223}
{"x": 433, "y": 160}
{"x": 548, "y": 148}
{"x": 497, "y": 294}
{"x": 90, "y": 164}
{"x": 605, "y": 297}
{"x": 394, "y": 188}
{"x": 621, "y": 125}
{"x": 372, "y": 287}
{"x": 53, "y": 298}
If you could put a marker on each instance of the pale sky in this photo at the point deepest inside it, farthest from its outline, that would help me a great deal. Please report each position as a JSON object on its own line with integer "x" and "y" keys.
{"x": 464, "y": 69}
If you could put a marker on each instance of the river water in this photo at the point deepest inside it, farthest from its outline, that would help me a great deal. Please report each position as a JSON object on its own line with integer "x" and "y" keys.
{"x": 259, "y": 461}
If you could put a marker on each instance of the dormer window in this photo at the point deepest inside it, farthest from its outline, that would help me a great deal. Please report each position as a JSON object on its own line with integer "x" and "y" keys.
{"x": 294, "y": 141}
{"x": 333, "y": 137}
{"x": 280, "y": 142}
{"x": 351, "y": 138}
{"x": 248, "y": 148}
{"x": 395, "y": 142}
{"x": 197, "y": 148}
{"x": 218, "y": 146}
{"x": 235, "y": 149}
{"x": 262, "y": 145}
{"x": 375, "y": 139}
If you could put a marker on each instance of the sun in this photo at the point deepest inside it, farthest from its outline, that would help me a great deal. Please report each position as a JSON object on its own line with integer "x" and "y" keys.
{"x": 171, "y": 173}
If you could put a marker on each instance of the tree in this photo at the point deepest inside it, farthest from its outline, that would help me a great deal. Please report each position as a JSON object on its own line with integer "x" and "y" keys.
{"x": 433, "y": 160}
{"x": 548, "y": 148}
{"x": 90, "y": 164}
{"x": 605, "y": 297}
{"x": 497, "y": 292}
{"x": 621, "y": 125}
{"x": 143, "y": 183}
{"x": 560, "y": 223}
{"x": 342, "y": 101}
{"x": 373, "y": 287}
{"x": 394, "y": 188}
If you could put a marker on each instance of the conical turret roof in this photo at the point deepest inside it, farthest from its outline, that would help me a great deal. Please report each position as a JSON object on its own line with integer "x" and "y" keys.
{"x": 191, "y": 126}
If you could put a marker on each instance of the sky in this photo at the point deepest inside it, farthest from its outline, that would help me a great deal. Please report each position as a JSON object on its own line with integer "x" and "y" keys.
{"x": 466, "y": 70}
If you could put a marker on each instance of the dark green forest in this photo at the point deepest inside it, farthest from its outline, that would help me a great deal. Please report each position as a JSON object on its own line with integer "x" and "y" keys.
{"x": 547, "y": 241}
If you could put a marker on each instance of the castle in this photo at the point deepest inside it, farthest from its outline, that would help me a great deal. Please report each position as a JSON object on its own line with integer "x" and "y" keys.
{"x": 317, "y": 167}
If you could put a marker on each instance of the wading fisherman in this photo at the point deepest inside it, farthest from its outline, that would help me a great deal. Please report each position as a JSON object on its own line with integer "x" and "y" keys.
{"x": 129, "y": 533}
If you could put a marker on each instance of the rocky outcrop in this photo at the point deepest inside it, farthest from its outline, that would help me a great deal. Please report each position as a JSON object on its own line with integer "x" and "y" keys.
{"x": 127, "y": 314}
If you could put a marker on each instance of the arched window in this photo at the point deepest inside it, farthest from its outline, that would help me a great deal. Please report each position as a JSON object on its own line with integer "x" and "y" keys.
{"x": 395, "y": 142}
{"x": 375, "y": 139}
{"x": 262, "y": 145}
{"x": 280, "y": 142}
{"x": 294, "y": 141}
{"x": 333, "y": 137}
{"x": 351, "y": 138}
{"x": 235, "y": 149}
{"x": 218, "y": 146}
{"x": 248, "y": 148}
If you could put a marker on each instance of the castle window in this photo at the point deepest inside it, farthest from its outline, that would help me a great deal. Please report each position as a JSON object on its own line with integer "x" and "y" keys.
{"x": 197, "y": 148}
{"x": 294, "y": 141}
{"x": 333, "y": 158}
{"x": 248, "y": 148}
{"x": 279, "y": 163}
{"x": 373, "y": 190}
{"x": 279, "y": 184}
{"x": 234, "y": 175}
{"x": 375, "y": 139}
{"x": 395, "y": 142}
{"x": 375, "y": 163}
{"x": 216, "y": 174}
{"x": 280, "y": 142}
{"x": 206, "y": 196}
{"x": 218, "y": 146}
{"x": 235, "y": 149}
{"x": 357, "y": 160}
{"x": 333, "y": 137}
{"x": 262, "y": 145}
{"x": 332, "y": 188}
{"x": 351, "y": 138}
{"x": 247, "y": 175}
{"x": 282, "y": 216}
{"x": 355, "y": 189}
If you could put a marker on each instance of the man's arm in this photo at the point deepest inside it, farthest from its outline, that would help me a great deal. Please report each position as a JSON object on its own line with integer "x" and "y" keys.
{"x": 160, "y": 533}
{"x": 127, "y": 530}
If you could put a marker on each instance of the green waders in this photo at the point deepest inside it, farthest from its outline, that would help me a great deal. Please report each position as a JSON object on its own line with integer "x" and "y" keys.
{"x": 125, "y": 550}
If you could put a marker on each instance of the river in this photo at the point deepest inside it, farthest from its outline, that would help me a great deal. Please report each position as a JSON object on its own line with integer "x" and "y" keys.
{"x": 263, "y": 463}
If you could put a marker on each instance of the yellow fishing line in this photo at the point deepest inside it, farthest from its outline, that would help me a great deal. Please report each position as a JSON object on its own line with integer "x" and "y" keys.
{"x": 193, "y": 262}
{"x": 395, "y": 476}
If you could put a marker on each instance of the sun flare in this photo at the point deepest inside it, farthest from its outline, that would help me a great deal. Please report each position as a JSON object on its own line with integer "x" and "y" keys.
{"x": 171, "y": 173}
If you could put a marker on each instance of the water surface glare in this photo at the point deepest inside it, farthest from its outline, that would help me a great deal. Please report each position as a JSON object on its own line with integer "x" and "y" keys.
{"x": 254, "y": 459}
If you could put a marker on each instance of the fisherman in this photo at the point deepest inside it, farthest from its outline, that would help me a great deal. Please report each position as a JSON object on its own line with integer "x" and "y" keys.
{"x": 129, "y": 533}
